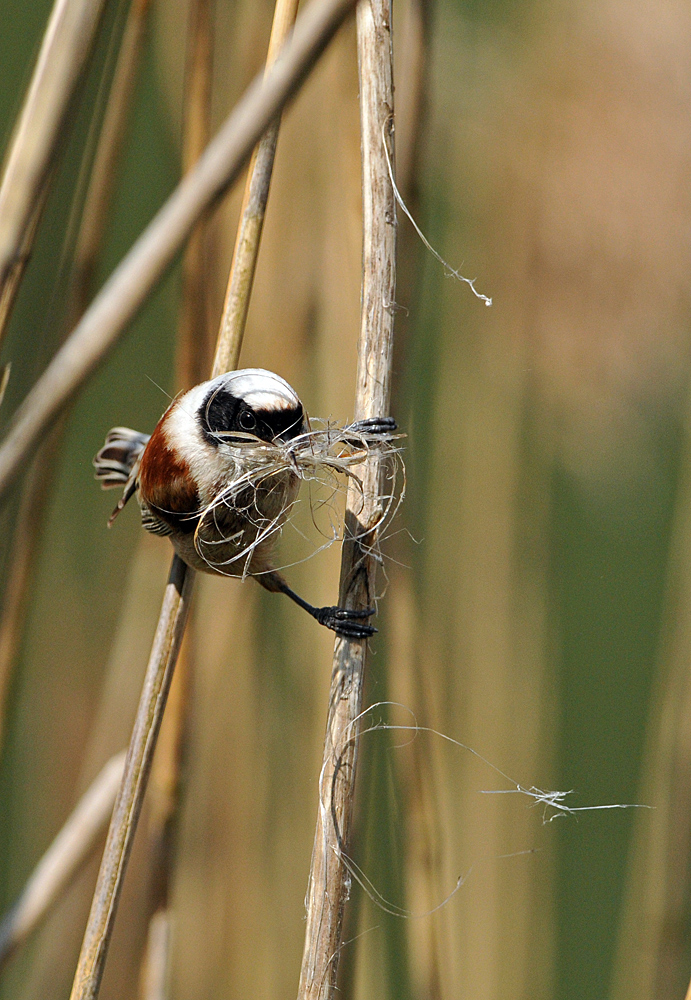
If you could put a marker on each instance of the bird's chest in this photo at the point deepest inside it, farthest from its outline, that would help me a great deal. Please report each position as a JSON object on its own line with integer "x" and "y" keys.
{"x": 236, "y": 532}
{"x": 251, "y": 507}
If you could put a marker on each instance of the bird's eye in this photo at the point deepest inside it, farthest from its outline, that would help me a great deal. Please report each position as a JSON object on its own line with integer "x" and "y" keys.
{"x": 247, "y": 420}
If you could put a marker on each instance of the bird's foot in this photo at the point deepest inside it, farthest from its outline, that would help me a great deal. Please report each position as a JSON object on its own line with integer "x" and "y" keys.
{"x": 345, "y": 622}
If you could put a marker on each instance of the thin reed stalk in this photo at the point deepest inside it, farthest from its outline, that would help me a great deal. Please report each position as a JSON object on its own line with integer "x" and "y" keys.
{"x": 159, "y": 673}
{"x": 219, "y": 165}
{"x": 252, "y": 213}
{"x": 36, "y": 488}
{"x": 126, "y": 290}
{"x": 168, "y": 760}
{"x": 63, "y": 860}
{"x": 15, "y": 597}
{"x": 329, "y": 879}
{"x": 66, "y": 46}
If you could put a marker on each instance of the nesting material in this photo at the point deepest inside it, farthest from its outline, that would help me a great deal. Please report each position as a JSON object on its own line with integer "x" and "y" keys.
{"x": 325, "y": 457}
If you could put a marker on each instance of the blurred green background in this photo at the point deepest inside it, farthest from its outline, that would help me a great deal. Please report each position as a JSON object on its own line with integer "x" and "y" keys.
{"x": 538, "y": 589}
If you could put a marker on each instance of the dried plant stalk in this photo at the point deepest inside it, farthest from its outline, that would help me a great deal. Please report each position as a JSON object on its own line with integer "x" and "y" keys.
{"x": 252, "y": 214}
{"x": 218, "y": 167}
{"x": 157, "y": 680}
{"x": 67, "y": 43}
{"x": 411, "y": 73}
{"x": 133, "y": 279}
{"x": 329, "y": 881}
{"x": 63, "y": 860}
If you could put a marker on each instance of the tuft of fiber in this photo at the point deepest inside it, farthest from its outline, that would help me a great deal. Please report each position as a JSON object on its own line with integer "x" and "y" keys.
{"x": 317, "y": 457}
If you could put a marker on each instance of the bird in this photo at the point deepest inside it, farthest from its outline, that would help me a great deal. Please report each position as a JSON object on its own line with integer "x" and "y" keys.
{"x": 203, "y": 479}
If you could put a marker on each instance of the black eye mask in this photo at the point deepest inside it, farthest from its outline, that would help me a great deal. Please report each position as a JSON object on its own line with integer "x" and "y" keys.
{"x": 282, "y": 424}
{"x": 221, "y": 413}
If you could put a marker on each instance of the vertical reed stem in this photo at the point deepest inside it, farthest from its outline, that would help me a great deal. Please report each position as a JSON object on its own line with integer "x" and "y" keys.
{"x": 252, "y": 213}
{"x": 159, "y": 673}
{"x": 168, "y": 761}
{"x": 329, "y": 881}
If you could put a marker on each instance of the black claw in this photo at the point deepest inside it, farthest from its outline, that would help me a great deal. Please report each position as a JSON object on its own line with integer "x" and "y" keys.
{"x": 374, "y": 425}
{"x": 344, "y": 615}
{"x": 354, "y": 631}
{"x": 345, "y": 622}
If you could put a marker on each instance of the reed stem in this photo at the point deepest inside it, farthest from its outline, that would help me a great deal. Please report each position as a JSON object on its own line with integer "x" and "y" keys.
{"x": 168, "y": 760}
{"x": 328, "y": 887}
{"x": 252, "y": 214}
{"x": 193, "y": 347}
{"x": 159, "y": 673}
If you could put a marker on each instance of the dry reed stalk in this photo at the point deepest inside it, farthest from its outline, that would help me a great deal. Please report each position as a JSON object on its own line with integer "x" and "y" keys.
{"x": 252, "y": 213}
{"x": 164, "y": 792}
{"x": 125, "y": 291}
{"x": 63, "y": 860}
{"x": 66, "y": 46}
{"x": 36, "y": 489}
{"x": 10, "y": 287}
{"x": 329, "y": 878}
{"x": 218, "y": 167}
{"x": 407, "y": 686}
{"x": 411, "y": 87}
{"x": 165, "y": 782}
{"x": 157, "y": 680}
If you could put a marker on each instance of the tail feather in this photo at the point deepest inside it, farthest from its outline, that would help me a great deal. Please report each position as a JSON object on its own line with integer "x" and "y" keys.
{"x": 117, "y": 463}
{"x": 118, "y": 456}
